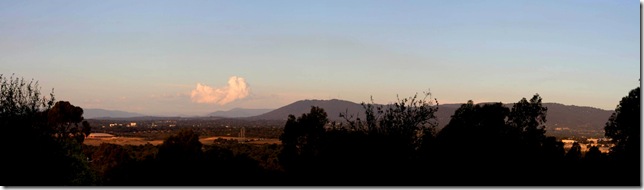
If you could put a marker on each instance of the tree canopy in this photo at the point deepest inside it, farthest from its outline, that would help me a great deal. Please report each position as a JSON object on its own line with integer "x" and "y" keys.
{"x": 624, "y": 126}
{"x": 43, "y": 139}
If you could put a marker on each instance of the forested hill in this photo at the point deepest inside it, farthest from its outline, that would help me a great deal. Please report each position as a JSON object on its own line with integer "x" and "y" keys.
{"x": 332, "y": 107}
{"x": 559, "y": 115}
{"x": 578, "y": 117}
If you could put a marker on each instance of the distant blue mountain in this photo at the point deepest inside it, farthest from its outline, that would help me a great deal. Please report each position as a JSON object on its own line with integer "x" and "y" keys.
{"x": 102, "y": 113}
{"x": 239, "y": 112}
{"x": 558, "y": 116}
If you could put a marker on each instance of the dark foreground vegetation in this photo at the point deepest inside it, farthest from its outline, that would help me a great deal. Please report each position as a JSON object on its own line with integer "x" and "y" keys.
{"x": 398, "y": 145}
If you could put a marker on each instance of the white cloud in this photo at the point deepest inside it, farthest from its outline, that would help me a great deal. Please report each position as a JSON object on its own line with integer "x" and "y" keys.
{"x": 237, "y": 89}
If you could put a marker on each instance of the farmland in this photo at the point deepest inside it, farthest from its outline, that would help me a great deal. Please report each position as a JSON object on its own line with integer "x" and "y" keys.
{"x": 142, "y": 141}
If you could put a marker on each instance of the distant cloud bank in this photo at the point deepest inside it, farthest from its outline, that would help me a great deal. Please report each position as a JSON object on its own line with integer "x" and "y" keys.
{"x": 237, "y": 89}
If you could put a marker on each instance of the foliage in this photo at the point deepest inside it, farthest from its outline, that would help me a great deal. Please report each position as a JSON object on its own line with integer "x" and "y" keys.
{"x": 574, "y": 153}
{"x": 183, "y": 146}
{"x": 20, "y": 100}
{"x": 64, "y": 119}
{"x": 553, "y": 149}
{"x": 111, "y": 161}
{"x": 265, "y": 154}
{"x": 477, "y": 124}
{"x": 301, "y": 138}
{"x": 529, "y": 117}
{"x": 41, "y": 152}
{"x": 386, "y": 141}
{"x": 593, "y": 154}
{"x": 408, "y": 119}
{"x": 624, "y": 127}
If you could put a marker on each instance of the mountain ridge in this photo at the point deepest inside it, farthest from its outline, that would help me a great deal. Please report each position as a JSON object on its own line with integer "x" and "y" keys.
{"x": 558, "y": 115}
{"x": 333, "y": 107}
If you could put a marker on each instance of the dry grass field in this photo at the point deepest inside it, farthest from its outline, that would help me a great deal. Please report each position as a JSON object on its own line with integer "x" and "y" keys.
{"x": 120, "y": 141}
{"x": 141, "y": 141}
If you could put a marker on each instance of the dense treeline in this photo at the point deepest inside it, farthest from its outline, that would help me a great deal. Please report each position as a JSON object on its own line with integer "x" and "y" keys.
{"x": 204, "y": 127}
{"x": 398, "y": 144}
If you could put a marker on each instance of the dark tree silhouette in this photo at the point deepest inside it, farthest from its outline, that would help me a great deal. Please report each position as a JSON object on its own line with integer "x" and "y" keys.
{"x": 487, "y": 137}
{"x": 64, "y": 119}
{"x": 593, "y": 154}
{"x": 178, "y": 158}
{"x": 183, "y": 146}
{"x": 301, "y": 138}
{"x": 387, "y": 145}
{"x": 111, "y": 162}
{"x": 21, "y": 100}
{"x": 624, "y": 127}
{"x": 574, "y": 153}
{"x": 475, "y": 125}
{"x": 39, "y": 151}
{"x": 408, "y": 125}
{"x": 553, "y": 150}
{"x": 478, "y": 124}
{"x": 478, "y": 140}
{"x": 529, "y": 117}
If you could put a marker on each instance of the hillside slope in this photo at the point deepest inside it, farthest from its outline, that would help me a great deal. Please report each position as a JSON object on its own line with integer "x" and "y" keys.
{"x": 559, "y": 115}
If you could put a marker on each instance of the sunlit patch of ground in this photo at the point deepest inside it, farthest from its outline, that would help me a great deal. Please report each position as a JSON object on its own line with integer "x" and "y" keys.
{"x": 141, "y": 141}
{"x": 120, "y": 141}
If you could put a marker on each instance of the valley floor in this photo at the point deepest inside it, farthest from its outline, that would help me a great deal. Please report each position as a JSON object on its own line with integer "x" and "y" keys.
{"x": 142, "y": 141}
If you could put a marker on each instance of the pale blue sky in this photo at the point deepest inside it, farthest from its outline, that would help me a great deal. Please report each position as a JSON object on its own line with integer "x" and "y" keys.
{"x": 148, "y": 56}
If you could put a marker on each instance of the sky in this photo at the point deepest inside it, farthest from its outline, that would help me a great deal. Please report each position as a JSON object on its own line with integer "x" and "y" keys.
{"x": 194, "y": 57}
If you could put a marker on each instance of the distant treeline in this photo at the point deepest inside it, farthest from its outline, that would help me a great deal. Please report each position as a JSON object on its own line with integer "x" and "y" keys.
{"x": 160, "y": 132}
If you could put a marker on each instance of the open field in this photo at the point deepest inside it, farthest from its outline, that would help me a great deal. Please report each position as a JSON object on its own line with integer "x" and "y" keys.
{"x": 141, "y": 141}
{"x": 120, "y": 141}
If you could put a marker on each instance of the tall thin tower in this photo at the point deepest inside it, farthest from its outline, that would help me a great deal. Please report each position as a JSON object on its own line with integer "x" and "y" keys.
{"x": 242, "y": 134}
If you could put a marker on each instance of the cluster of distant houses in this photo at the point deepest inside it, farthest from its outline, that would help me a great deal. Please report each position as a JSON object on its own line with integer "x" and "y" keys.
{"x": 132, "y": 124}
{"x": 601, "y": 143}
